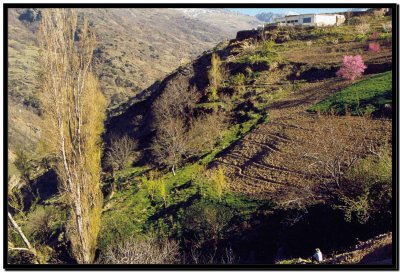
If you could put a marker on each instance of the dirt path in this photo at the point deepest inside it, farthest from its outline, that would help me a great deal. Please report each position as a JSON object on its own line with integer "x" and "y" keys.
{"x": 273, "y": 160}
{"x": 376, "y": 251}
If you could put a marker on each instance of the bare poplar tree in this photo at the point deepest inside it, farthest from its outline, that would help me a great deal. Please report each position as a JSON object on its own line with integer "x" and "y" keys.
{"x": 73, "y": 121}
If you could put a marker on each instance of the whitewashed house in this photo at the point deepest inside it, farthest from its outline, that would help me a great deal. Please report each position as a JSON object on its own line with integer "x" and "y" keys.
{"x": 311, "y": 20}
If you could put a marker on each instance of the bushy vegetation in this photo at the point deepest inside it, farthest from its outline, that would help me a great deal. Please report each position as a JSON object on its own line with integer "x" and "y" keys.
{"x": 365, "y": 97}
{"x": 367, "y": 193}
{"x": 141, "y": 251}
{"x": 263, "y": 52}
{"x": 121, "y": 152}
{"x": 179, "y": 202}
{"x": 239, "y": 83}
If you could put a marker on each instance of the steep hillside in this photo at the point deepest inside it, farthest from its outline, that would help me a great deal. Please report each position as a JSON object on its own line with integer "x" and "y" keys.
{"x": 277, "y": 152}
{"x": 253, "y": 153}
{"x": 135, "y": 48}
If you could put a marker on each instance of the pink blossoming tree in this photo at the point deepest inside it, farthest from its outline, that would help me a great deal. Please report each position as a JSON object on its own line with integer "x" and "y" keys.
{"x": 374, "y": 47}
{"x": 352, "y": 67}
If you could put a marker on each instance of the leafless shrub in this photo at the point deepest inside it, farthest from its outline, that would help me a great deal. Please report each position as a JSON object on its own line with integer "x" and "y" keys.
{"x": 329, "y": 157}
{"x": 230, "y": 257}
{"x": 150, "y": 251}
{"x": 249, "y": 47}
{"x": 205, "y": 131}
{"x": 172, "y": 111}
{"x": 337, "y": 145}
{"x": 179, "y": 134}
{"x": 177, "y": 100}
{"x": 121, "y": 152}
{"x": 170, "y": 144}
{"x": 197, "y": 257}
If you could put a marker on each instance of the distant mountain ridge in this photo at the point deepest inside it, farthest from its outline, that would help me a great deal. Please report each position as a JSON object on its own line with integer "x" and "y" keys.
{"x": 194, "y": 12}
{"x": 267, "y": 16}
{"x": 135, "y": 48}
{"x": 270, "y": 16}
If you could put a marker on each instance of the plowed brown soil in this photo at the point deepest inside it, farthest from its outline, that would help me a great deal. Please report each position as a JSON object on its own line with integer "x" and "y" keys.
{"x": 279, "y": 159}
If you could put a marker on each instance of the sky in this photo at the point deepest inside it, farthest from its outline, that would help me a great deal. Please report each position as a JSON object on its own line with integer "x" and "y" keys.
{"x": 254, "y": 11}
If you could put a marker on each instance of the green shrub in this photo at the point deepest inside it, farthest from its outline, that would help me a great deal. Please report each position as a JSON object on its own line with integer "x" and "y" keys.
{"x": 116, "y": 228}
{"x": 259, "y": 58}
{"x": 206, "y": 221}
{"x": 24, "y": 165}
{"x": 386, "y": 37}
{"x": 267, "y": 47}
{"x": 331, "y": 40}
{"x": 347, "y": 38}
{"x": 368, "y": 191}
{"x": 212, "y": 94}
{"x": 32, "y": 101}
{"x": 238, "y": 82}
{"x": 150, "y": 184}
{"x": 217, "y": 181}
{"x": 317, "y": 33}
{"x": 264, "y": 53}
{"x": 361, "y": 38}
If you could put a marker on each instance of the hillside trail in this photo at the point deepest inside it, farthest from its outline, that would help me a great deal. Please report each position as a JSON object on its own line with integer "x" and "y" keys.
{"x": 269, "y": 162}
{"x": 375, "y": 251}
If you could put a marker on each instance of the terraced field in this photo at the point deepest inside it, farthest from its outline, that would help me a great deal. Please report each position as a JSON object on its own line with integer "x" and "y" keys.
{"x": 286, "y": 158}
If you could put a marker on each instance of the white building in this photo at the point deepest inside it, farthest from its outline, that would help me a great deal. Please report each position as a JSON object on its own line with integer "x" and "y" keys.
{"x": 312, "y": 19}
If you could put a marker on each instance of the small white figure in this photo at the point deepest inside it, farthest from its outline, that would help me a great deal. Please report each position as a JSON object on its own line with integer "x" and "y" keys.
{"x": 317, "y": 256}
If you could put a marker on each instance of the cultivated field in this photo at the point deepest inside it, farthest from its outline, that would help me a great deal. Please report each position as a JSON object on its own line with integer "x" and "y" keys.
{"x": 289, "y": 153}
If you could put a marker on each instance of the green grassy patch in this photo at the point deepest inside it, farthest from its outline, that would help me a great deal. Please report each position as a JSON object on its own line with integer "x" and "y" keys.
{"x": 258, "y": 58}
{"x": 132, "y": 212}
{"x": 366, "y": 96}
{"x": 131, "y": 172}
{"x": 126, "y": 217}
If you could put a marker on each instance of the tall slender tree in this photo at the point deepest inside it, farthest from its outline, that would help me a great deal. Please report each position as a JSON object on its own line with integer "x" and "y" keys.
{"x": 74, "y": 112}
{"x": 215, "y": 76}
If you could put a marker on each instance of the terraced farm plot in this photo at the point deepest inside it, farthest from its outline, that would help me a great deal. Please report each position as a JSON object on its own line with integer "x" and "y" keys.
{"x": 293, "y": 155}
